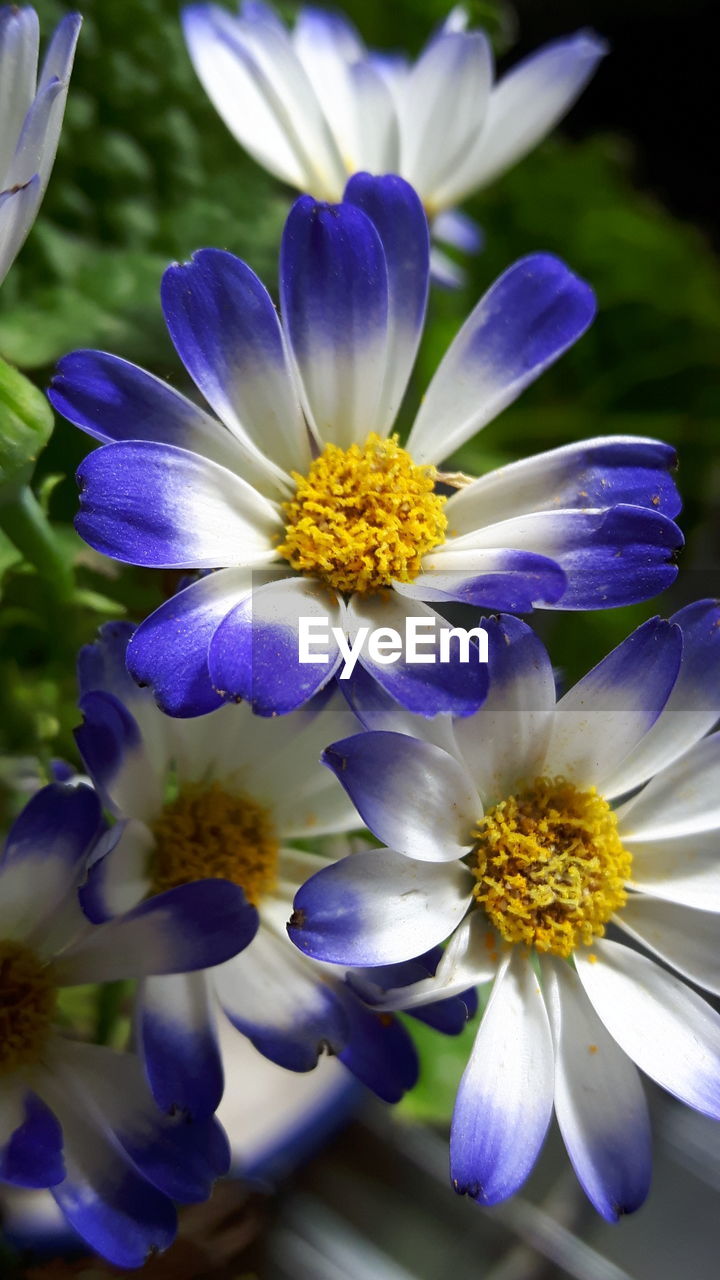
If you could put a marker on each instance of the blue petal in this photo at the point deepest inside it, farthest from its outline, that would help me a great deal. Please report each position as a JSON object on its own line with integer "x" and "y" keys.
{"x": 179, "y": 1044}
{"x": 101, "y": 665}
{"x": 334, "y": 300}
{"x": 59, "y": 822}
{"x": 254, "y": 653}
{"x": 454, "y": 227}
{"x": 154, "y": 504}
{"x": 531, "y": 315}
{"x": 377, "y": 908}
{"x": 117, "y": 1212}
{"x": 399, "y": 219}
{"x": 413, "y": 795}
{"x": 181, "y": 1159}
{"x": 283, "y": 1005}
{"x": 193, "y": 926}
{"x": 227, "y": 333}
{"x": 114, "y": 400}
{"x": 107, "y": 736}
{"x": 169, "y": 651}
{"x": 511, "y": 581}
{"x": 429, "y": 686}
{"x": 379, "y": 1051}
{"x": 33, "y": 1155}
{"x": 620, "y": 558}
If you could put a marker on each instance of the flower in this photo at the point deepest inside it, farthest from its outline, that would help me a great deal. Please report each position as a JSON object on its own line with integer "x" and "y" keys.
{"x": 30, "y": 119}
{"x": 520, "y": 833}
{"x": 302, "y": 472}
{"x": 76, "y": 1117}
{"x": 314, "y": 106}
{"x": 227, "y": 795}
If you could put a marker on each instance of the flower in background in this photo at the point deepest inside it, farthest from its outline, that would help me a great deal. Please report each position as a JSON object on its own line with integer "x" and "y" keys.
{"x": 76, "y": 1117}
{"x": 521, "y": 833}
{"x": 314, "y": 106}
{"x": 31, "y": 115}
{"x": 299, "y": 468}
{"x": 226, "y": 795}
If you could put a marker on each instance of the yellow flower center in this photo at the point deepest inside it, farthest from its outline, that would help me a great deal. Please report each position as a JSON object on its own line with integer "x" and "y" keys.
{"x": 363, "y": 517}
{"x": 550, "y": 867}
{"x": 205, "y": 833}
{"x": 28, "y": 997}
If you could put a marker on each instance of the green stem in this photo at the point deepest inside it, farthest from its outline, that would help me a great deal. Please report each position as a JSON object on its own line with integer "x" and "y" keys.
{"x": 28, "y": 528}
{"x": 110, "y": 999}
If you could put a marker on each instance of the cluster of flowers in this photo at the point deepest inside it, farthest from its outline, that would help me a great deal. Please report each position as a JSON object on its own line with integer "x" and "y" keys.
{"x": 518, "y": 826}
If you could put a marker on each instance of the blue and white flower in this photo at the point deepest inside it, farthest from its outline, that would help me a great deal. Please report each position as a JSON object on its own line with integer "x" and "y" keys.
{"x": 75, "y": 1117}
{"x": 31, "y": 115}
{"x": 300, "y": 498}
{"x": 314, "y": 106}
{"x": 520, "y": 833}
{"x": 227, "y": 795}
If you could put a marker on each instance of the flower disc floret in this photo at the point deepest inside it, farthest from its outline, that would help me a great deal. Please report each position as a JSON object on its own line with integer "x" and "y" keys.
{"x": 28, "y": 997}
{"x": 550, "y": 866}
{"x": 207, "y": 832}
{"x": 363, "y": 517}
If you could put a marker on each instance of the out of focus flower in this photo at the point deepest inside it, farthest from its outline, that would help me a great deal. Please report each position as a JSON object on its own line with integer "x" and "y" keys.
{"x": 303, "y": 500}
{"x": 76, "y": 1117}
{"x": 31, "y": 115}
{"x": 227, "y": 795}
{"x": 314, "y": 106}
{"x": 520, "y": 834}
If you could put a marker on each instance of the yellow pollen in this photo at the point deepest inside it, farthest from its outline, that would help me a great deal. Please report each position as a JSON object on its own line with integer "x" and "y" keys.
{"x": 206, "y": 832}
{"x": 28, "y": 997}
{"x": 363, "y": 516}
{"x": 550, "y": 867}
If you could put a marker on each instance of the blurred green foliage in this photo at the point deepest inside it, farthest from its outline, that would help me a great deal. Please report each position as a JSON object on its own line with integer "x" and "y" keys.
{"x": 147, "y": 173}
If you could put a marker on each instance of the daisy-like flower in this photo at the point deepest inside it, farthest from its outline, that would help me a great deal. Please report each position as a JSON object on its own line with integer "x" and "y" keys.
{"x": 75, "y": 1117}
{"x": 314, "y": 106}
{"x": 300, "y": 473}
{"x": 225, "y": 796}
{"x": 521, "y": 833}
{"x": 31, "y": 115}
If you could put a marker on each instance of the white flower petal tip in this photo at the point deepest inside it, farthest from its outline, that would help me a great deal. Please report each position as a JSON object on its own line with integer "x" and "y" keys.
{"x": 32, "y": 110}
{"x": 314, "y": 106}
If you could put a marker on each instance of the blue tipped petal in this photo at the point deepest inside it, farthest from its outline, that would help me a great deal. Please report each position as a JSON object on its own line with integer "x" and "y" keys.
{"x": 377, "y": 908}
{"x": 154, "y": 504}
{"x": 179, "y": 1044}
{"x": 504, "y": 1103}
{"x": 227, "y": 333}
{"x": 420, "y": 681}
{"x": 32, "y": 1156}
{"x": 379, "y": 1051}
{"x": 414, "y": 796}
{"x": 255, "y": 652}
{"x": 529, "y": 317}
{"x": 334, "y": 301}
{"x": 282, "y": 1004}
{"x": 114, "y": 400}
{"x": 169, "y": 651}
{"x": 399, "y": 219}
{"x": 190, "y": 927}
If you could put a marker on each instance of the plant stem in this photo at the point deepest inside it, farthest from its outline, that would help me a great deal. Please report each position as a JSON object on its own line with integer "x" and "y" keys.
{"x": 28, "y": 528}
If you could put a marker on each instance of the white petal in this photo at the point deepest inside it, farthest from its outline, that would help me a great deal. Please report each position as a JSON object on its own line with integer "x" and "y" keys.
{"x": 682, "y": 800}
{"x": 504, "y": 1102}
{"x": 687, "y": 940}
{"x": 599, "y": 1099}
{"x": 669, "y": 1031}
{"x": 684, "y": 870}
